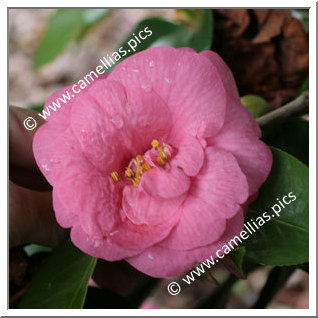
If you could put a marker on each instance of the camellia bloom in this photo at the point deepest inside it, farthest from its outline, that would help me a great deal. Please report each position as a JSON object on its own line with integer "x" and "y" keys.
{"x": 154, "y": 163}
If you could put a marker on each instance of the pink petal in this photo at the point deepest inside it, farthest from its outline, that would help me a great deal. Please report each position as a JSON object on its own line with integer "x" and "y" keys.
{"x": 142, "y": 208}
{"x": 58, "y": 122}
{"x": 113, "y": 127}
{"x": 190, "y": 155}
{"x": 141, "y": 236}
{"x": 98, "y": 247}
{"x": 224, "y": 71}
{"x": 240, "y": 136}
{"x": 167, "y": 71}
{"x": 216, "y": 195}
{"x": 240, "y": 132}
{"x": 165, "y": 182}
{"x": 162, "y": 262}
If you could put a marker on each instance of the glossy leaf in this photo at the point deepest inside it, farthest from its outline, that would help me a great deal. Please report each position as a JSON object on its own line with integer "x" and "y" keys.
{"x": 282, "y": 240}
{"x": 64, "y": 26}
{"x": 198, "y": 35}
{"x": 62, "y": 280}
{"x": 291, "y": 136}
{"x": 234, "y": 261}
{"x": 257, "y": 105}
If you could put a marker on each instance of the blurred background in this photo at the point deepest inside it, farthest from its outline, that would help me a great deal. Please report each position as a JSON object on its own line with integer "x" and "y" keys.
{"x": 267, "y": 51}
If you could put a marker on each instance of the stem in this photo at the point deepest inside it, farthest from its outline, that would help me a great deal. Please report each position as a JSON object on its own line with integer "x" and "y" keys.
{"x": 276, "y": 279}
{"x": 297, "y": 107}
{"x": 220, "y": 296}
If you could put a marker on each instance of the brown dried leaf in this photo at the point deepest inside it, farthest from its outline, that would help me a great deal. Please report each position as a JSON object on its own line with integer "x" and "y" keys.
{"x": 266, "y": 49}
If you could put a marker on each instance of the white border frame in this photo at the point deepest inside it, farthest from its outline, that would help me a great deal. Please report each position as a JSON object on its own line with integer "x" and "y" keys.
{"x": 312, "y": 161}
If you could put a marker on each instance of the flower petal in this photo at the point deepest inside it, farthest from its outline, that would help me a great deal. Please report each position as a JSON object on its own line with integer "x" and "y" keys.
{"x": 165, "y": 183}
{"x": 216, "y": 195}
{"x": 98, "y": 247}
{"x": 240, "y": 137}
{"x": 162, "y": 262}
{"x": 141, "y": 208}
{"x": 112, "y": 126}
{"x": 224, "y": 71}
{"x": 195, "y": 103}
{"x": 190, "y": 155}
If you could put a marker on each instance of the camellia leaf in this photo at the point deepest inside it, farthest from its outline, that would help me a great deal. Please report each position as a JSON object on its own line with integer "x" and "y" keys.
{"x": 64, "y": 26}
{"x": 234, "y": 261}
{"x": 284, "y": 239}
{"x": 202, "y": 24}
{"x": 198, "y": 34}
{"x": 257, "y": 105}
{"x": 61, "y": 282}
{"x": 291, "y": 136}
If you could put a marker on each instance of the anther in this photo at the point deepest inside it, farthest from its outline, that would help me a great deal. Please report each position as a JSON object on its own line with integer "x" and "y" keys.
{"x": 114, "y": 176}
{"x": 155, "y": 143}
{"x": 129, "y": 173}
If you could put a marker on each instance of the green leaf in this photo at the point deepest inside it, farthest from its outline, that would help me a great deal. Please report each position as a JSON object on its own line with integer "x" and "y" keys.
{"x": 62, "y": 280}
{"x": 291, "y": 136}
{"x": 282, "y": 240}
{"x": 234, "y": 261}
{"x": 64, "y": 26}
{"x": 257, "y": 105}
{"x": 38, "y": 108}
{"x": 198, "y": 35}
{"x": 201, "y": 36}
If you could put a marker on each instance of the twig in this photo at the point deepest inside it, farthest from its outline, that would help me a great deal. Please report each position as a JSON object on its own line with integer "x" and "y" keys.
{"x": 297, "y": 107}
{"x": 275, "y": 281}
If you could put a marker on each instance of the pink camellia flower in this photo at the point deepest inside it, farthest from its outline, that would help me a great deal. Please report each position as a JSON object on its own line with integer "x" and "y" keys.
{"x": 154, "y": 163}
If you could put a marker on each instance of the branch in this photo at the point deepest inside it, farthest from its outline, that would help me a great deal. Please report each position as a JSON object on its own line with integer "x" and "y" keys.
{"x": 275, "y": 281}
{"x": 297, "y": 107}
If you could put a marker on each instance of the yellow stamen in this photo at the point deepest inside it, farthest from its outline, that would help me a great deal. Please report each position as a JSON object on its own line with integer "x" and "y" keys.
{"x": 146, "y": 166}
{"x": 139, "y": 159}
{"x": 138, "y": 174}
{"x": 138, "y": 165}
{"x": 114, "y": 176}
{"x": 163, "y": 155}
{"x": 129, "y": 173}
{"x": 155, "y": 143}
{"x": 161, "y": 161}
{"x": 135, "y": 181}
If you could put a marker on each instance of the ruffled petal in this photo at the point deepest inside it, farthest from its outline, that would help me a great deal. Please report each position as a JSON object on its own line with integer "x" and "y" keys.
{"x": 163, "y": 262}
{"x": 217, "y": 194}
{"x": 58, "y": 122}
{"x": 98, "y": 247}
{"x": 240, "y": 137}
{"x": 190, "y": 155}
{"x": 112, "y": 126}
{"x": 141, "y": 208}
{"x": 166, "y": 183}
{"x": 224, "y": 71}
{"x": 195, "y": 103}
